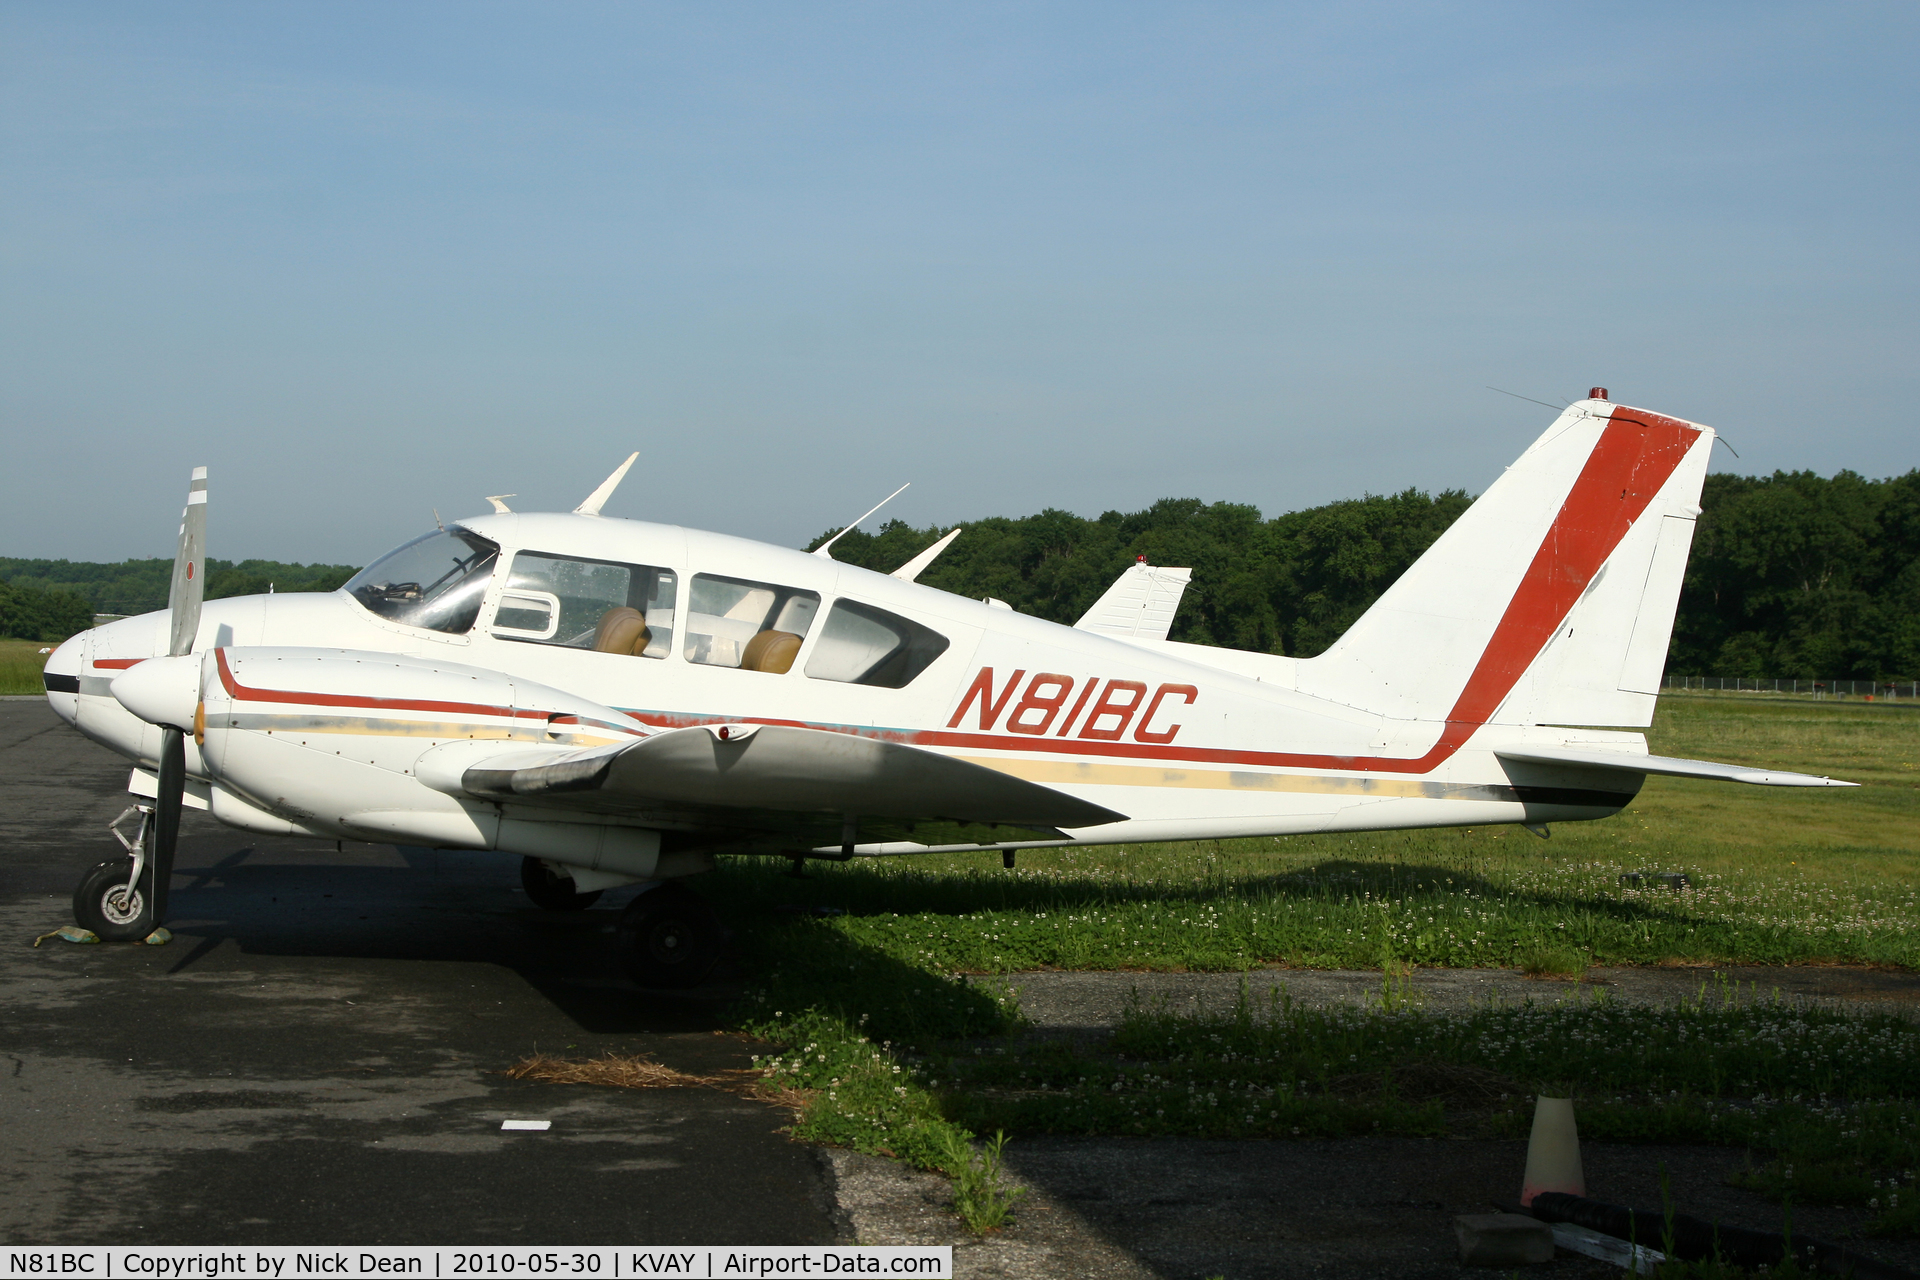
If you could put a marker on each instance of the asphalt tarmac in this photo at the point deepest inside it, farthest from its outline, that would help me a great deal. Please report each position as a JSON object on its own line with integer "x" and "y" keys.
{"x": 315, "y": 1057}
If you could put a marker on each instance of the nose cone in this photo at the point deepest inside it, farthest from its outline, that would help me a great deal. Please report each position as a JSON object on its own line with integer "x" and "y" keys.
{"x": 162, "y": 691}
{"x": 62, "y": 677}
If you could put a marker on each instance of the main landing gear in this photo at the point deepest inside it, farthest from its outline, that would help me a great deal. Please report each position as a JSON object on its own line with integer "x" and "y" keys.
{"x": 554, "y": 892}
{"x": 669, "y": 936}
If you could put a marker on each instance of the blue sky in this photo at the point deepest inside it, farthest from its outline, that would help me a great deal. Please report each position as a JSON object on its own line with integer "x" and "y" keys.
{"x": 369, "y": 260}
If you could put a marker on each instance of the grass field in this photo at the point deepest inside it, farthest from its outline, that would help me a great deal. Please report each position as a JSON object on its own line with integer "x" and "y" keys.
{"x": 891, "y": 985}
{"x": 20, "y": 664}
{"x": 1780, "y": 875}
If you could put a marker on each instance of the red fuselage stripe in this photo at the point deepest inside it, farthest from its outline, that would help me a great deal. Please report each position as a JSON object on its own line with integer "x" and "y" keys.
{"x": 249, "y": 694}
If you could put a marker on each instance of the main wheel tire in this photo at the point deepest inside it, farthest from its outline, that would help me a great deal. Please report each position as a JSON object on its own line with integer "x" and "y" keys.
{"x": 105, "y": 904}
{"x": 670, "y": 937}
{"x": 555, "y": 893}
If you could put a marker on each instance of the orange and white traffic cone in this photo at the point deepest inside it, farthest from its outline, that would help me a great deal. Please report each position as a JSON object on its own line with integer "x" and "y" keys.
{"x": 1553, "y": 1152}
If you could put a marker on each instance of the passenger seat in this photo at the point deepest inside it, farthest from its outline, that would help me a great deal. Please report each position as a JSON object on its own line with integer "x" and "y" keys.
{"x": 623, "y": 630}
{"x": 772, "y": 651}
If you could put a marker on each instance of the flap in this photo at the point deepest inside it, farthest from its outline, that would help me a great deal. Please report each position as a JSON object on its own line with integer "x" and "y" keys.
{"x": 1667, "y": 766}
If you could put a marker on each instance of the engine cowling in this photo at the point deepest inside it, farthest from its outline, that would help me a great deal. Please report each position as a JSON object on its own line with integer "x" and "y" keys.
{"x": 331, "y": 740}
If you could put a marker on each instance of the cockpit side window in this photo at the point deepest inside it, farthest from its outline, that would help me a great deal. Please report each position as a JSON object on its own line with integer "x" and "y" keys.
{"x": 860, "y": 644}
{"x": 755, "y": 626}
{"x": 604, "y": 605}
{"x": 436, "y": 581}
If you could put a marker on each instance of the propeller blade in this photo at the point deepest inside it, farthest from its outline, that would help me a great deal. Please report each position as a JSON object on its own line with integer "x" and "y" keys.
{"x": 189, "y": 568}
{"x": 166, "y": 819}
{"x": 184, "y": 596}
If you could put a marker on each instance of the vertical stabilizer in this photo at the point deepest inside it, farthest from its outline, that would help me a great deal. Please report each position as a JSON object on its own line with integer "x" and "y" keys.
{"x": 1140, "y": 604}
{"x": 1552, "y": 599}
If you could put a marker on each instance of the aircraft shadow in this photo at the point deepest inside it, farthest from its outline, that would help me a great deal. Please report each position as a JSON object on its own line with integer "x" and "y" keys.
{"x": 469, "y": 908}
{"x": 861, "y": 890}
{"x": 373, "y": 905}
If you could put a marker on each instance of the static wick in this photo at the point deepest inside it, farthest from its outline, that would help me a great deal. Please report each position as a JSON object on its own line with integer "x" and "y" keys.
{"x": 1529, "y": 399}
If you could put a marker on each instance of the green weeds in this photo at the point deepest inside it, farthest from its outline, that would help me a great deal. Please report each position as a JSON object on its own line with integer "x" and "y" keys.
{"x": 1826, "y": 1097}
{"x": 1348, "y": 913}
{"x": 980, "y": 1196}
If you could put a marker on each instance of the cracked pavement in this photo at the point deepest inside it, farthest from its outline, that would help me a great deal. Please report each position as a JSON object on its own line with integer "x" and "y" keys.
{"x": 315, "y": 1057}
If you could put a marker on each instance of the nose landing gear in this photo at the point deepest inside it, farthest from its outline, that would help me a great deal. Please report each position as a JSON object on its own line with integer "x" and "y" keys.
{"x": 115, "y": 898}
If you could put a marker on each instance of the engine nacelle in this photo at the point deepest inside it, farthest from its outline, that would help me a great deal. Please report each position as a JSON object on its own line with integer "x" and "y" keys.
{"x": 332, "y": 740}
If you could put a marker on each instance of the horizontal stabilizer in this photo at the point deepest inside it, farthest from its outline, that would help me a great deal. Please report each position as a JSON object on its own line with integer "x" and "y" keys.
{"x": 1139, "y": 605}
{"x": 1666, "y": 766}
{"x": 786, "y": 769}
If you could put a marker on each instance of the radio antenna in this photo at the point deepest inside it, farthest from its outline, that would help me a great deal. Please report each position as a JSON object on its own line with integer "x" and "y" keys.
{"x": 1529, "y": 399}
{"x": 821, "y": 550}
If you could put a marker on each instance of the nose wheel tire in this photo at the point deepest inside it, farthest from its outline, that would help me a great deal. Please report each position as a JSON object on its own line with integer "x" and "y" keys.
{"x": 106, "y": 904}
{"x": 555, "y": 893}
{"x": 670, "y": 937}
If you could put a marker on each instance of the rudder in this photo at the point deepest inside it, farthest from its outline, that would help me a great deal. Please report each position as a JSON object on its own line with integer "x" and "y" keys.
{"x": 1551, "y": 600}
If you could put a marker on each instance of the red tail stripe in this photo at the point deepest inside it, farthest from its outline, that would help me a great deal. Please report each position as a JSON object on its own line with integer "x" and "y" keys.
{"x": 1637, "y": 454}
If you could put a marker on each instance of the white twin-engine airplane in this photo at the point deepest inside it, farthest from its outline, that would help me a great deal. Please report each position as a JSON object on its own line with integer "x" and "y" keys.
{"x": 620, "y": 702}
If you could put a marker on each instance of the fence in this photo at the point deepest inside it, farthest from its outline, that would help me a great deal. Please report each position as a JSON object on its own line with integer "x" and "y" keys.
{"x": 1841, "y": 689}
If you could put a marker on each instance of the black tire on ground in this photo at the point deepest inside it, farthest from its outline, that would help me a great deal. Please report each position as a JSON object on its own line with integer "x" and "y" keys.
{"x": 555, "y": 893}
{"x": 670, "y": 937}
{"x": 104, "y": 904}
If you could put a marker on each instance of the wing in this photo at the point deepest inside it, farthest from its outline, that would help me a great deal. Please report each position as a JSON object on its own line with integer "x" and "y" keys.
{"x": 1668, "y": 766}
{"x": 784, "y": 781}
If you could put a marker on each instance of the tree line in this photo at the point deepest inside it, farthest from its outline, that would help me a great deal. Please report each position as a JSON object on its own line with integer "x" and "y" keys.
{"x": 1796, "y": 576}
{"x": 1792, "y": 575}
{"x": 1291, "y": 584}
{"x": 52, "y": 599}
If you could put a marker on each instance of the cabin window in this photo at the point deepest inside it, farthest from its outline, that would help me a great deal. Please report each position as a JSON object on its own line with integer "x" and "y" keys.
{"x": 436, "y": 581}
{"x": 860, "y": 644}
{"x": 755, "y": 626}
{"x": 603, "y": 605}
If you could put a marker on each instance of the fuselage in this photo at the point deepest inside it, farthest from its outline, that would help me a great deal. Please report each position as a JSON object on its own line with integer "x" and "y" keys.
{"x": 1187, "y": 743}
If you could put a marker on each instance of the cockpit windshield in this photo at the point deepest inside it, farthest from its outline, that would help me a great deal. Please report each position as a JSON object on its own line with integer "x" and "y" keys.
{"x": 435, "y": 581}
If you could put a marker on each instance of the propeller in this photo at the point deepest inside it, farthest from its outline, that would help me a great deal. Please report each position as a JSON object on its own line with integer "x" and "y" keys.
{"x": 188, "y": 589}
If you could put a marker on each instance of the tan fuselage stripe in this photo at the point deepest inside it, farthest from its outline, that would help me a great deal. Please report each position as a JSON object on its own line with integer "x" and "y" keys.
{"x": 363, "y": 726}
{"x": 1065, "y": 772}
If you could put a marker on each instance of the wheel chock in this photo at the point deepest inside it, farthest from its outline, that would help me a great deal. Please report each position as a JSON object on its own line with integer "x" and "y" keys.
{"x": 69, "y": 933}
